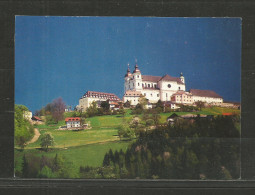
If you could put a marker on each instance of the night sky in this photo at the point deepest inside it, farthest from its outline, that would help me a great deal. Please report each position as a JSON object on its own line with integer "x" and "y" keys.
{"x": 67, "y": 56}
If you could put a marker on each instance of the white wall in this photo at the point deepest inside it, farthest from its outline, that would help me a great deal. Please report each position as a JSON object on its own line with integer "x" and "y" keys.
{"x": 208, "y": 99}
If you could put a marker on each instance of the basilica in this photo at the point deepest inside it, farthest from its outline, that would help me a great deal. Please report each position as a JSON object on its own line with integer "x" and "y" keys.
{"x": 165, "y": 88}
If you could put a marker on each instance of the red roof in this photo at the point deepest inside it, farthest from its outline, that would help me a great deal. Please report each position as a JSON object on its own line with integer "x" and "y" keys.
{"x": 227, "y": 114}
{"x": 151, "y": 78}
{"x": 72, "y": 119}
{"x": 159, "y": 78}
{"x": 204, "y": 93}
{"x": 37, "y": 118}
{"x": 102, "y": 95}
{"x": 169, "y": 78}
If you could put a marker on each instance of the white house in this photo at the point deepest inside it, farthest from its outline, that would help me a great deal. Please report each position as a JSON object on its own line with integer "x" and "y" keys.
{"x": 90, "y": 96}
{"x": 27, "y": 115}
{"x": 73, "y": 122}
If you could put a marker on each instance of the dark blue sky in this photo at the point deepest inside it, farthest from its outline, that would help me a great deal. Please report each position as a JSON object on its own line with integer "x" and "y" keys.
{"x": 67, "y": 56}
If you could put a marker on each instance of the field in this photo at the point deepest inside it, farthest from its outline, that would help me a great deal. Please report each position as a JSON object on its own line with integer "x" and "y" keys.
{"x": 87, "y": 147}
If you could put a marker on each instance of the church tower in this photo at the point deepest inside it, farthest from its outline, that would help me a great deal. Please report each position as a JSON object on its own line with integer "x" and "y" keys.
{"x": 182, "y": 78}
{"x": 128, "y": 77}
{"x": 137, "y": 79}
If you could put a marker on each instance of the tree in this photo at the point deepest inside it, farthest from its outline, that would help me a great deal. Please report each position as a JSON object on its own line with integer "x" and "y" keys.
{"x": 200, "y": 105}
{"x": 24, "y": 131}
{"x": 58, "y": 109}
{"x": 159, "y": 104}
{"x": 105, "y": 105}
{"x": 127, "y": 104}
{"x": 46, "y": 141}
{"x": 143, "y": 101}
{"x": 24, "y": 167}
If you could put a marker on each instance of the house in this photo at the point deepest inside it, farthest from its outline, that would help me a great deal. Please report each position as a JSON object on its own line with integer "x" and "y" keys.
{"x": 172, "y": 118}
{"x": 73, "y": 122}
{"x": 36, "y": 118}
{"x": 170, "y": 105}
{"x": 27, "y": 115}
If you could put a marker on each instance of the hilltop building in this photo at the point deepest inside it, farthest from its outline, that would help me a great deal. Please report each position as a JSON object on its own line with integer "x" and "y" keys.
{"x": 165, "y": 88}
{"x": 90, "y": 96}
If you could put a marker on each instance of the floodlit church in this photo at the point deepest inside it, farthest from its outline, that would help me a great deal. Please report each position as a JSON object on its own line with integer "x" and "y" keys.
{"x": 165, "y": 88}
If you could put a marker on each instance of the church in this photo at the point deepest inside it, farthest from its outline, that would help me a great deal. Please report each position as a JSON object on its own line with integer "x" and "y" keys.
{"x": 165, "y": 88}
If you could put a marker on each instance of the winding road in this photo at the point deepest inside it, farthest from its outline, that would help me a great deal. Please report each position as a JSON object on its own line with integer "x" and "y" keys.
{"x": 35, "y": 138}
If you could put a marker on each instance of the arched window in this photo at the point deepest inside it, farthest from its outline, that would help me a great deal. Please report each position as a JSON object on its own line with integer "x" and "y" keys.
{"x": 138, "y": 84}
{"x": 149, "y": 85}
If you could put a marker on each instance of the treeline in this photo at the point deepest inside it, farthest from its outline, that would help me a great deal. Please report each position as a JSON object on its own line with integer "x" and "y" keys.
{"x": 46, "y": 167}
{"x": 159, "y": 108}
{"x": 53, "y": 111}
{"x": 24, "y": 131}
{"x": 104, "y": 109}
{"x": 202, "y": 149}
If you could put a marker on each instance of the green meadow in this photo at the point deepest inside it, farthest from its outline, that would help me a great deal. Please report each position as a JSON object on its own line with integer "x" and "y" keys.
{"x": 88, "y": 147}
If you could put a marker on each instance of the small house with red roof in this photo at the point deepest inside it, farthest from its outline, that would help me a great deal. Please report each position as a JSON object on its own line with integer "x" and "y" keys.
{"x": 36, "y": 118}
{"x": 73, "y": 122}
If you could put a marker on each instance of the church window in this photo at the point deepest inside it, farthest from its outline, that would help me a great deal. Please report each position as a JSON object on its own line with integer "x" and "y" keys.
{"x": 149, "y": 85}
{"x": 151, "y": 94}
{"x": 155, "y": 86}
{"x": 157, "y": 95}
{"x": 179, "y": 88}
{"x": 138, "y": 84}
{"x": 169, "y": 86}
{"x": 137, "y": 76}
{"x": 133, "y": 84}
{"x": 143, "y": 85}
{"x": 144, "y": 94}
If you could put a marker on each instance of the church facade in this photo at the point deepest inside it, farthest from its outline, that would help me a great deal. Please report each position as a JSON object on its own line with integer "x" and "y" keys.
{"x": 153, "y": 88}
{"x": 165, "y": 88}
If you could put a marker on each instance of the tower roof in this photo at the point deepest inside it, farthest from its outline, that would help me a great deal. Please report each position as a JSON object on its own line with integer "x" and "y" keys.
{"x": 128, "y": 72}
{"x": 136, "y": 69}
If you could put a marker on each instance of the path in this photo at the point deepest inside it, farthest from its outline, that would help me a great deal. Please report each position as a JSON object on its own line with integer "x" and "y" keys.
{"x": 35, "y": 138}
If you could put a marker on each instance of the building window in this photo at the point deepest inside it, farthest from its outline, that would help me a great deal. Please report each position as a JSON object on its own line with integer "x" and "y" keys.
{"x": 137, "y": 76}
{"x": 144, "y": 94}
{"x": 179, "y": 88}
{"x": 151, "y": 94}
{"x": 143, "y": 85}
{"x": 169, "y": 86}
{"x": 157, "y": 95}
{"x": 155, "y": 86}
{"x": 166, "y": 94}
{"x": 133, "y": 84}
{"x": 149, "y": 85}
{"x": 138, "y": 84}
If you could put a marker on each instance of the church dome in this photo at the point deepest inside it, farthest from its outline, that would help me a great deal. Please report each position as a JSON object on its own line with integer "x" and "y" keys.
{"x": 136, "y": 69}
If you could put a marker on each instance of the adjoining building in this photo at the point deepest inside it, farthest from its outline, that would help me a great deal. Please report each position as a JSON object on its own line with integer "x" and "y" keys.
{"x": 93, "y": 96}
{"x": 182, "y": 97}
{"x": 207, "y": 96}
{"x": 132, "y": 97}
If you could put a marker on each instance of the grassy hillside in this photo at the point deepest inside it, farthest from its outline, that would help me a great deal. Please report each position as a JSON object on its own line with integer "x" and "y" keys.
{"x": 88, "y": 147}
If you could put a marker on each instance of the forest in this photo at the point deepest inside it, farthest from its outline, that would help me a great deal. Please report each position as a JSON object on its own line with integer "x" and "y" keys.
{"x": 200, "y": 149}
